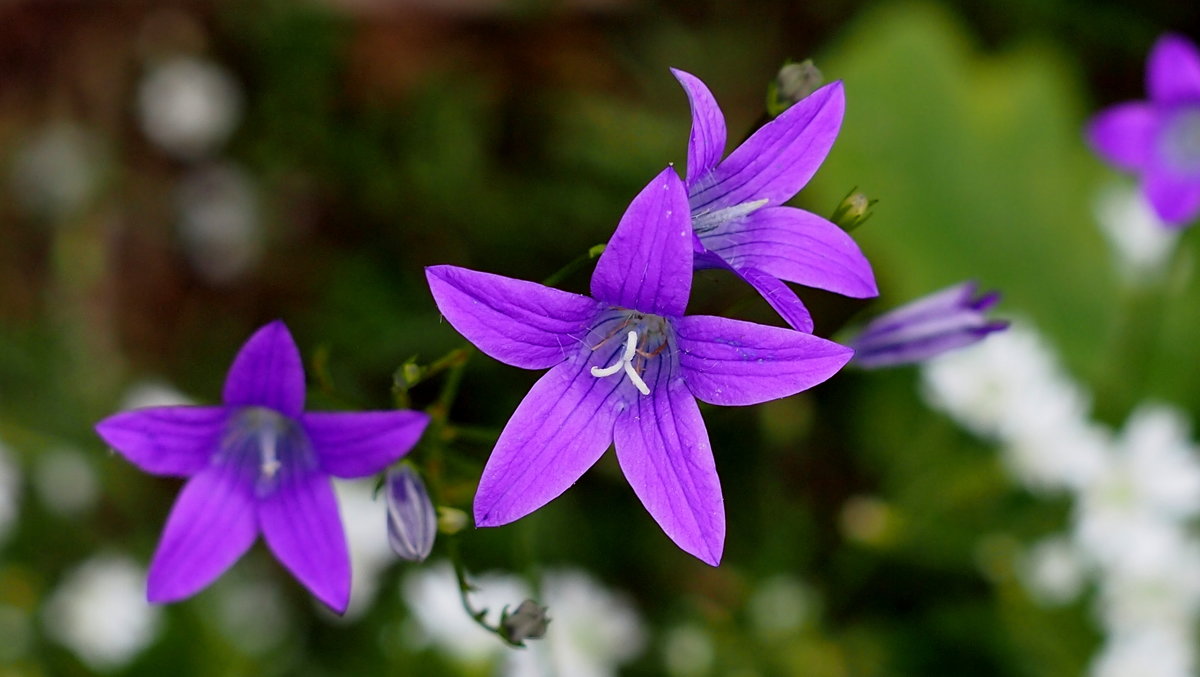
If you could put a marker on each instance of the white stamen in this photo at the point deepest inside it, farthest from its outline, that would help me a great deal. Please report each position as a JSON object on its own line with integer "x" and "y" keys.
{"x": 626, "y": 363}
{"x": 270, "y": 458}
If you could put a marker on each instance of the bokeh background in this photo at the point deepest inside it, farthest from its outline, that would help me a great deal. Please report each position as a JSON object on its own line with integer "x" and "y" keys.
{"x": 174, "y": 175}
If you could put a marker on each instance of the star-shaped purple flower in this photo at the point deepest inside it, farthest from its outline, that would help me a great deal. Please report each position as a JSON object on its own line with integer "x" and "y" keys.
{"x": 626, "y": 368}
{"x": 1160, "y": 138}
{"x": 256, "y": 463}
{"x": 737, "y": 203}
{"x": 945, "y": 320}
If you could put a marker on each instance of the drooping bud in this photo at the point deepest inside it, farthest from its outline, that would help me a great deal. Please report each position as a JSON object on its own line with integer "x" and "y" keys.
{"x": 529, "y": 621}
{"x": 853, "y": 211}
{"x": 412, "y": 521}
{"x": 943, "y": 321}
{"x": 793, "y": 82}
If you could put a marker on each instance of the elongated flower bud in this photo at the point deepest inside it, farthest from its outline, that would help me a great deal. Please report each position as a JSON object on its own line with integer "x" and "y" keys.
{"x": 412, "y": 521}
{"x": 946, "y": 320}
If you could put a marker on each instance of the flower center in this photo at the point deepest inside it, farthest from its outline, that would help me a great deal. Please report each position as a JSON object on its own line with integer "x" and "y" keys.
{"x": 265, "y": 446}
{"x": 645, "y": 340}
{"x": 1179, "y": 142}
{"x": 708, "y": 220}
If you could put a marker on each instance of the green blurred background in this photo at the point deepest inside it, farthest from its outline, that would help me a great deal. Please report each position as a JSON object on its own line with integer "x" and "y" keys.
{"x": 365, "y": 139}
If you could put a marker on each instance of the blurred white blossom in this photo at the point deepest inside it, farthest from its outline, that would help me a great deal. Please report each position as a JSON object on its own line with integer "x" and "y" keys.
{"x": 153, "y": 393}
{"x": 10, "y": 492}
{"x": 1054, "y": 571}
{"x": 1149, "y": 653}
{"x": 56, "y": 170}
{"x": 1140, "y": 242}
{"x": 99, "y": 612}
{"x": 219, "y": 222}
{"x": 781, "y": 605}
{"x": 688, "y": 651}
{"x": 431, "y": 594}
{"x": 189, "y": 106}
{"x": 65, "y": 481}
{"x": 365, "y": 519}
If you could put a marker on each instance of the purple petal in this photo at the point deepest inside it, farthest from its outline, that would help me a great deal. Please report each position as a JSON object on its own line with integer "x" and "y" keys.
{"x": 356, "y": 444}
{"x": 794, "y": 245}
{"x": 778, "y": 159}
{"x": 707, "y": 140}
{"x": 267, "y": 372}
{"x": 178, "y": 441}
{"x": 1124, "y": 134}
{"x": 780, "y": 296}
{"x": 521, "y": 323}
{"x": 212, "y": 524}
{"x": 730, "y": 362}
{"x": 647, "y": 265}
{"x": 941, "y": 303}
{"x": 300, "y": 524}
{"x": 895, "y": 342}
{"x": 1173, "y": 70}
{"x": 559, "y": 431}
{"x": 663, "y": 450}
{"x": 1175, "y": 198}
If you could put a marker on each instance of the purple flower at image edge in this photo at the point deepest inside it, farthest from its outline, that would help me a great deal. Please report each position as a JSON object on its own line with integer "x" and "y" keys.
{"x": 258, "y": 462}
{"x": 625, "y": 368}
{"x": 1159, "y": 138}
{"x": 737, "y": 209}
{"x": 917, "y": 331}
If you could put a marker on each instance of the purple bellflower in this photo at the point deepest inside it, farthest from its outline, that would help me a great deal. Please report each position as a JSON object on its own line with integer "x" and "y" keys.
{"x": 940, "y": 322}
{"x": 256, "y": 463}
{"x": 626, "y": 368}
{"x": 1159, "y": 139}
{"x": 738, "y": 216}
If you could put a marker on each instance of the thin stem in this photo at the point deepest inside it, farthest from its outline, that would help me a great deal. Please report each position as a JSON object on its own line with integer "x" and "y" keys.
{"x": 576, "y": 264}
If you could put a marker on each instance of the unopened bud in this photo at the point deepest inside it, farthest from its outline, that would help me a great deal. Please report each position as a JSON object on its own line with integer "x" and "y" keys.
{"x": 793, "y": 82}
{"x": 529, "y": 621}
{"x": 853, "y": 211}
{"x": 451, "y": 520}
{"x": 412, "y": 522}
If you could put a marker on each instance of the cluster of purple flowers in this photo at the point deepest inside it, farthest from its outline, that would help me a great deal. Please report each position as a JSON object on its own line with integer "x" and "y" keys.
{"x": 626, "y": 368}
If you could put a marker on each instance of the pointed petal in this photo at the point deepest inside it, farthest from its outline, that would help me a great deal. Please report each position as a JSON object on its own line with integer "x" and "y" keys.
{"x": 780, "y": 296}
{"x": 938, "y": 304}
{"x": 1173, "y": 70}
{"x": 1124, "y": 134}
{"x": 707, "y": 140}
{"x": 267, "y": 372}
{"x": 730, "y": 362}
{"x": 778, "y": 159}
{"x": 211, "y": 525}
{"x": 301, "y": 525}
{"x": 795, "y": 245}
{"x": 356, "y": 444}
{"x": 559, "y": 431}
{"x": 663, "y": 450}
{"x": 521, "y": 323}
{"x": 1175, "y": 198}
{"x": 178, "y": 441}
{"x": 647, "y": 264}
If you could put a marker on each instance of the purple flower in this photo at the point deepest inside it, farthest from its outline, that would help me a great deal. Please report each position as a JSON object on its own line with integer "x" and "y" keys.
{"x": 412, "y": 519}
{"x": 937, "y": 323}
{"x": 1160, "y": 138}
{"x": 737, "y": 203}
{"x": 258, "y": 462}
{"x": 626, "y": 367}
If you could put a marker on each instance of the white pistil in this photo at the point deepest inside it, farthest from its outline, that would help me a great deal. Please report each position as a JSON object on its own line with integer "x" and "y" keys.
{"x": 706, "y": 221}
{"x": 626, "y": 363}
{"x": 270, "y": 458}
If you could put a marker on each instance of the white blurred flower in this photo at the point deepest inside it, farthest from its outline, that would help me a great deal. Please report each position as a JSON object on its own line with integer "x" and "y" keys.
{"x": 688, "y": 651}
{"x": 1161, "y": 461}
{"x": 219, "y": 222}
{"x": 365, "y": 521}
{"x": 1149, "y": 653}
{"x": 1054, "y": 571}
{"x": 153, "y": 393}
{"x": 1140, "y": 241}
{"x": 780, "y": 606}
{"x": 1051, "y": 454}
{"x": 56, "y": 170}
{"x": 189, "y": 106}
{"x": 431, "y": 594}
{"x": 593, "y": 630}
{"x": 10, "y": 492}
{"x": 65, "y": 481}
{"x": 1162, "y": 590}
{"x": 100, "y": 612}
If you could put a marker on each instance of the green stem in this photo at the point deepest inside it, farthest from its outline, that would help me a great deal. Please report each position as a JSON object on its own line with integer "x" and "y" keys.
{"x": 576, "y": 264}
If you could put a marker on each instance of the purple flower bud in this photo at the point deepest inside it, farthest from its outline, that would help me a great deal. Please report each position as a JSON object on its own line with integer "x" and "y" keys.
{"x": 412, "y": 521}
{"x": 932, "y": 325}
